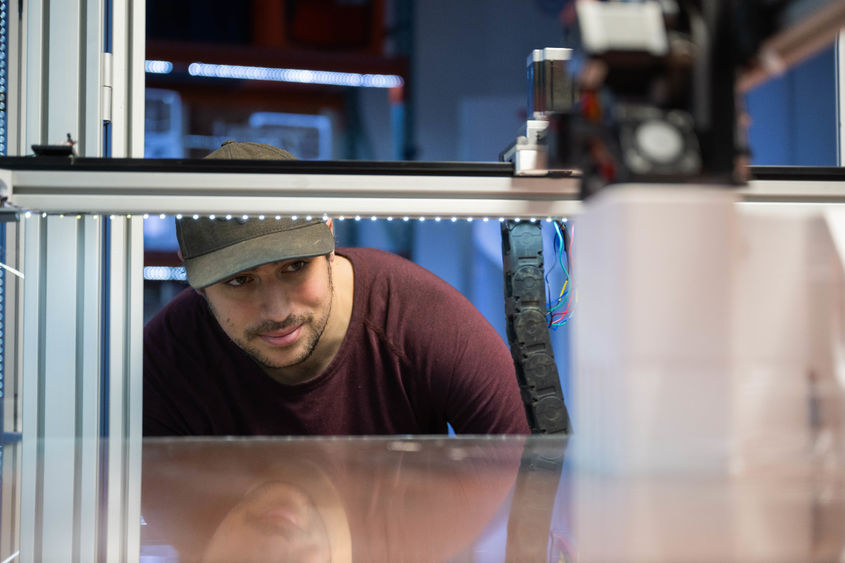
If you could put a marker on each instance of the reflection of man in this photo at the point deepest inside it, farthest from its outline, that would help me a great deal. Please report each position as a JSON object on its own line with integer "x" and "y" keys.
{"x": 357, "y": 499}
{"x": 282, "y": 335}
{"x": 292, "y": 514}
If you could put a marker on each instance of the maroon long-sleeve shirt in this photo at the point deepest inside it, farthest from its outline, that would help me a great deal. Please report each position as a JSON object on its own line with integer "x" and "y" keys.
{"x": 417, "y": 355}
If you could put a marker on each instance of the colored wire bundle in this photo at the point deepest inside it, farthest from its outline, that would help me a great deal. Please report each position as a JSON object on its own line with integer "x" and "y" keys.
{"x": 559, "y": 311}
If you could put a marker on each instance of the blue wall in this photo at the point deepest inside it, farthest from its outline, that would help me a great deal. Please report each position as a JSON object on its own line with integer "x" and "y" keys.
{"x": 793, "y": 117}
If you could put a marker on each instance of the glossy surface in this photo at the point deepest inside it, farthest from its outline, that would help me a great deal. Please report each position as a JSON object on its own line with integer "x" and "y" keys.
{"x": 469, "y": 499}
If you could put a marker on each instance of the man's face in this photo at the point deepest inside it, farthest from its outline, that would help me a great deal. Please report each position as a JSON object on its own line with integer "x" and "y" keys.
{"x": 277, "y": 521}
{"x": 276, "y": 312}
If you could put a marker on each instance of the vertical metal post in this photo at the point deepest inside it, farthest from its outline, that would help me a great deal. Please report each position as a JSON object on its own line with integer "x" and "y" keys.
{"x": 10, "y": 476}
{"x": 125, "y": 409}
{"x": 30, "y": 368}
{"x": 60, "y": 389}
{"x": 57, "y": 84}
{"x": 128, "y": 25}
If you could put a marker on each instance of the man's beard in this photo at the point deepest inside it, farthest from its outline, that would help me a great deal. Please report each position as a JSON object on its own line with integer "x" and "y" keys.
{"x": 312, "y": 332}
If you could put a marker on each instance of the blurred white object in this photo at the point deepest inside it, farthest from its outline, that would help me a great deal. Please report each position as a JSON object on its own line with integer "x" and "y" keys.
{"x": 708, "y": 400}
{"x": 710, "y": 334}
{"x": 622, "y": 26}
{"x": 652, "y": 339}
{"x": 787, "y": 329}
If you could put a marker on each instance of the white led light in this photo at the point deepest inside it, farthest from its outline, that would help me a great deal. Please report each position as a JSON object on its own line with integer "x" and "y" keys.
{"x": 548, "y": 219}
{"x": 406, "y": 218}
{"x": 565, "y": 220}
{"x": 245, "y": 217}
{"x": 501, "y": 219}
{"x": 111, "y": 217}
{"x": 294, "y": 217}
{"x": 437, "y": 219}
{"x": 179, "y": 216}
{"x": 422, "y": 219}
{"x": 486, "y": 219}
{"x": 517, "y": 219}
{"x": 164, "y": 273}
{"x": 228, "y": 217}
{"x": 211, "y": 217}
{"x": 341, "y": 218}
{"x": 261, "y": 217}
{"x": 302, "y": 76}
{"x": 469, "y": 219}
{"x": 278, "y": 217}
{"x": 43, "y": 214}
{"x": 308, "y": 218}
{"x": 158, "y": 67}
{"x": 533, "y": 219}
{"x": 28, "y": 214}
{"x": 390, "y": 218}
{"x": 373, "y": 218}
{"x": 357, "y": 217}
{"x": 146, "y": 216}
{"x": 325, "y": 217}
{"x": 196, "y": 217}
{"x": 162, "y": 216}
{"x": 454, "y": 219}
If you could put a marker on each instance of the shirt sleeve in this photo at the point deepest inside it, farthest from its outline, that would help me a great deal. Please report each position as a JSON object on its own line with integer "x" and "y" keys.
{"x": 470, "y": 368}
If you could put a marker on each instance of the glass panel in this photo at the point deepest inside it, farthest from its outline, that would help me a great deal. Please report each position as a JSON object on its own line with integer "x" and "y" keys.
{"x": 376, "y": 499}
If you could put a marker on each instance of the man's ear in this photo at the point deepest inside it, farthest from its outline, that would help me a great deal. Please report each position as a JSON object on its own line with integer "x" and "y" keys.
{"x": 330, "y": 223}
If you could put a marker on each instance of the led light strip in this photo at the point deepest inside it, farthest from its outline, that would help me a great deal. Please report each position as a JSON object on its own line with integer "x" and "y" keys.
{"x": 297, "y": 75}
{"x": 324, "y": 217}
{"x": 165, "y": 273}
{"x": 302, "y": 76}
{"x": 158, "y": 67}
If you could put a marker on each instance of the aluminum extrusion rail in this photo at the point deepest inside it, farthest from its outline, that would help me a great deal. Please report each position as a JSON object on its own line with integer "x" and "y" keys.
{"x": 378, "y": 195}
{"x": 368, "y": 190}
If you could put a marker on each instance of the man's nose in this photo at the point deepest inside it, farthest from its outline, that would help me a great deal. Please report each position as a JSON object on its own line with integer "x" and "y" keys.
{"x": 273, "y": 301}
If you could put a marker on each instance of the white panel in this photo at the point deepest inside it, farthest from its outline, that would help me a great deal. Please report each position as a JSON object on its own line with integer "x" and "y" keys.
{"x": 137, "y": 78}
{"x": 134, "y": 373}
{"x": 128, "y": 24}
{"x": 91, "y": 136}
{"x": 88, "y": 397}
{"x": 125, "y": 388}
{"x": 117, "y": 424}
{"x": 31, "y": 75}
{"x": 58, "y": 406}
{"x": 120, "y": 77}
{"x": 63, "y": 71}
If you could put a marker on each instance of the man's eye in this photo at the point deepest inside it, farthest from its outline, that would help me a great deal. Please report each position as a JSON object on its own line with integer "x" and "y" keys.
{"x": 237, "y": 281}
{"x": 295, "y": 266}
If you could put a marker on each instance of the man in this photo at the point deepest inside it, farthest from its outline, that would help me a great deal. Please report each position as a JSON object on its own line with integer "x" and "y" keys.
{"x": 280, "y": 334}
